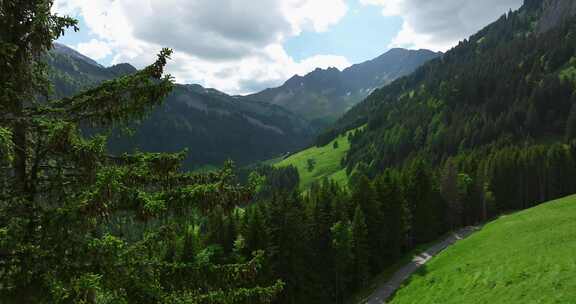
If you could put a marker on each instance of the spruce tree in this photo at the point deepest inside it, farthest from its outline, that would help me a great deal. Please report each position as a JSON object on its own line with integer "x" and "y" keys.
{"x": 287, "y": 247}
{"x": 320, "y": 201}
{"x": 361, "y": 249}
{"x": 364, "y": 195}
{"x": 190, "y": 246}
{"x": 571, "y": 122}
{"x": 78, "y": 225}
{"x": 396, "y": 214}
{"x": 425, "y": 201}
{"x": 342, "y": 245}
{"x": 451, "y": 193}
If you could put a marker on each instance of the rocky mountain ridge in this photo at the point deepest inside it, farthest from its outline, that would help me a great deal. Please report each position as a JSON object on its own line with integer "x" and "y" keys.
{"x": 324, "y": 94}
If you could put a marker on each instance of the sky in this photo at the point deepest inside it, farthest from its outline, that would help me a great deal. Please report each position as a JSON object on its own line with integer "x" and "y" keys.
{"x": 244, "y": 46}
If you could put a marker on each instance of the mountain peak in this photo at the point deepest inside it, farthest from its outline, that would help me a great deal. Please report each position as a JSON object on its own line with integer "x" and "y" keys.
{"x": 324, "y": 94}
{"x": 296, "y": 79}
{"x": 68, "y": 51}
{"x": 122, "y": 69}
{"x": 396, "y": 50}
{"x": 329, "y": 70}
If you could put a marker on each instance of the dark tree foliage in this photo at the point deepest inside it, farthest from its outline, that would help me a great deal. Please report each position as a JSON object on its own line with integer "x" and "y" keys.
{"x": 284, "y": 179}
{"x": 425, "y": 203}
{"x": 396, "y": 215}
{"x": 321, "y": 243}
{"x": 343, "y": 247}
{"x": 361, "y": 248}
{"x": 364, "y": 196}
{"x": 571, "y": 123}
{"x": 80, "y": 226}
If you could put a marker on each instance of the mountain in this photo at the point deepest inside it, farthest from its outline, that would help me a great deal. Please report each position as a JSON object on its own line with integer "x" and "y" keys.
{"x": 511, "y": 84}
{"x": 323, "y": 95}
{"x": 66, "y": 51}
{"x": 212, "y": 125}
{"x": 71, "y": 71}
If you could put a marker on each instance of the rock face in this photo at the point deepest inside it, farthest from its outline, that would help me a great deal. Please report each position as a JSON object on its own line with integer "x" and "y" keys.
{"x": 555, "y": 12}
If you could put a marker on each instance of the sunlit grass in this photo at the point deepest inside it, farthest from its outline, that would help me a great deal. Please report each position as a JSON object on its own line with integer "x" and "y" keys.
{"x": 527, "y": 257}
{"x": 327, "y": 162}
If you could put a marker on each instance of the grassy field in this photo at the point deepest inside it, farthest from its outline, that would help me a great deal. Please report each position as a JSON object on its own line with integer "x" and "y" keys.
{"x": 327, "y": 162}
{"x": 527, "y": 257}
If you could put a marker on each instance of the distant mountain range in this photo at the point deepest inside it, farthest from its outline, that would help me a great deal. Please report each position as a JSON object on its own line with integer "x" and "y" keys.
{"x": 322, "y": 96}
{"x": 215, "y": 126}
{"x": 212, "y": 125}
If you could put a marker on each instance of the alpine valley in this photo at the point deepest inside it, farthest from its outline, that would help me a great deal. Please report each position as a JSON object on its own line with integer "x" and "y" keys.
{"x": 416, "y": 177}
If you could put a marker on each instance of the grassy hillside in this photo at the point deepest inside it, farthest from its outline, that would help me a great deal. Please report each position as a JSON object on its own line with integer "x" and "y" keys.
{"x": 528, "y": 257}
{"x": 326, "y": 162}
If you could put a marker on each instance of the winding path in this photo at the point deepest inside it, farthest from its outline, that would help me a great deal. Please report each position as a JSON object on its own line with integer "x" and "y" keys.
{"x": 385, "y": 291}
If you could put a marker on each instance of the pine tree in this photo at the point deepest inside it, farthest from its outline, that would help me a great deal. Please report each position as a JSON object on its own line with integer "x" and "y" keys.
{"x": 426, "y": 203}
{"x": 287, "y": 247}
{"x": 450, "y": 192}
{"x": 396, "y": 214}
{"x": 254, "y": 233}
{"x": 78, "y": 224}
{"x": 216, "y": 227}
{"x": 190, "y": 246}
{"x": 320, "y": 202}
{"x": 571, "y": 122}
{"x": 361, "y": 249}
{"x": 343, "y": 247}
{"x": 364, "y": 195}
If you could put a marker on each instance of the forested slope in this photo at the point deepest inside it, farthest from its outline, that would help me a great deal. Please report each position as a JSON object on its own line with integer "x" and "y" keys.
{"x": 212, "y": 125}
{"x": 506, "y": 83}
{"x": 499, "y": 107}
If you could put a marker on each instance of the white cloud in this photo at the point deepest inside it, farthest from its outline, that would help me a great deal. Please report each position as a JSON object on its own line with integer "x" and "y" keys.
{"x": 316, "y": 14}
{"x": 441, "y": 24}
{"x": 232, "y": 45}
{"x": 94, "y": 49}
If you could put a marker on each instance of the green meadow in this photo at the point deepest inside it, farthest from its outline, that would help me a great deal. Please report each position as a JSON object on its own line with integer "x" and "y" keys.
{"x": 526, "y": 257}
{"x": 316, "y": 163}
